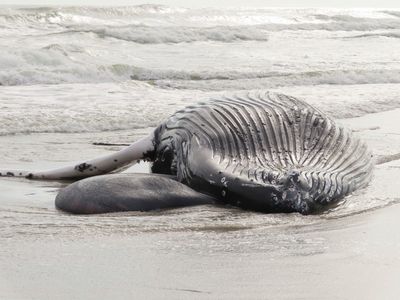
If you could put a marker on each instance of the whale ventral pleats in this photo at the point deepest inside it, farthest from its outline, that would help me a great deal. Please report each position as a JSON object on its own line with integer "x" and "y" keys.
{"x": 271, "y": 141}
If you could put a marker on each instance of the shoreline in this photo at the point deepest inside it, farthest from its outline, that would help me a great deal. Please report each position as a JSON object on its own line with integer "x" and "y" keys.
{"x": 203, "y": 252}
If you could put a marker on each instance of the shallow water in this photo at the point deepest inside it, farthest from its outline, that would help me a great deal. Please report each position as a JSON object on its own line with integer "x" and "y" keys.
{"x": 72, "y": 77}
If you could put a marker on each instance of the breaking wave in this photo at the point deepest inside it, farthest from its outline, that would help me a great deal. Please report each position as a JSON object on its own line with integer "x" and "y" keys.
{"x": 181, "y": 34}
{"x": 70, "y": 63}
{"x": 202, "y": 49}
{"x": 377, "y": 34}
{"x": 275, "y": 80}
{"x": 158, "y": 35}
{"x": 181, "y": 23}
{"x": 55, "y": 64}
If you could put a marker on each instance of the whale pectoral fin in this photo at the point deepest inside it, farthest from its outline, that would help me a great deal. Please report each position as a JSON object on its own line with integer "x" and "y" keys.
{"x": 127, "y": 192}
{"x": 114, "y": 162}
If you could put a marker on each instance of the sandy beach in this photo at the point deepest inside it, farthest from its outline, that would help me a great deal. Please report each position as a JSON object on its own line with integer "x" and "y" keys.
{"x": 72, "y": 78}
{"x": 204, "y": 252}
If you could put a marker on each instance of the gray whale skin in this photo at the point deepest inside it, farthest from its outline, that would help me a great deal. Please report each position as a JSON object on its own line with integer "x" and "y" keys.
{"x": 259, "y": 151}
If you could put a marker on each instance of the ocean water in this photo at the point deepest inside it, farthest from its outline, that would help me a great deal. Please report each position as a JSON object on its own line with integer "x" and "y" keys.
{"x": 88, "y": 69}
{"x": 74, "y": 76}
{"x": 71, "y": 77}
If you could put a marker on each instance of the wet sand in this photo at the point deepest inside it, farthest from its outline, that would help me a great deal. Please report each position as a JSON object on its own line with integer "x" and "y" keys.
{"x": 357, "y": 258}
{"x": 201, "y": 252}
